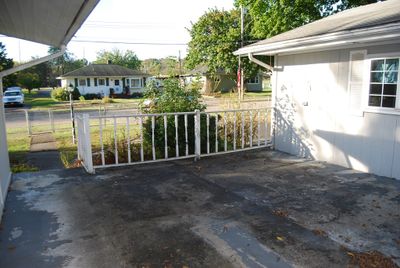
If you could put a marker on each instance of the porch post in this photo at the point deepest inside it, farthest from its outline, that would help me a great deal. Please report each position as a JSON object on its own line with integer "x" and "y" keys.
{"x": 197, "y": 137}
{"x": 88, "y": 160}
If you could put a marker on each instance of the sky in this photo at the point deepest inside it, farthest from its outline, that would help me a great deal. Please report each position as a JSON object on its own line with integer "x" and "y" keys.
{"x": 129, "y": 21}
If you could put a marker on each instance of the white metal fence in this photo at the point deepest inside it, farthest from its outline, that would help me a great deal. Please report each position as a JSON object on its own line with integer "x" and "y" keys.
{"x": 108, "y": 141}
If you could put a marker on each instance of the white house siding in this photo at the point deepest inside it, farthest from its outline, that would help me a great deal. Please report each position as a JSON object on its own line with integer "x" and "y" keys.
{"x": 104, "y": 90}
{"x": 314, "y": 118}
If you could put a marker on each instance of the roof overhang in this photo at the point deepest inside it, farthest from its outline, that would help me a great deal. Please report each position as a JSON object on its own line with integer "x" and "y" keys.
{"x": 49, "y": 22}
{"x": 389, "y": 33}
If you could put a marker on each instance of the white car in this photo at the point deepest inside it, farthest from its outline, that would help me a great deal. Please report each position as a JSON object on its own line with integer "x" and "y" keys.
{"x": 13, "y": 96}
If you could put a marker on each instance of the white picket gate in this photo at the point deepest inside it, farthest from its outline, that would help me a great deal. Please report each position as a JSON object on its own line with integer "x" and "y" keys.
{"x": 109, "y": 141}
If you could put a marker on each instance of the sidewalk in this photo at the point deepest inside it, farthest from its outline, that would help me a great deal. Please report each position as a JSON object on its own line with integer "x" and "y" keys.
{"x": 44, "y": 153}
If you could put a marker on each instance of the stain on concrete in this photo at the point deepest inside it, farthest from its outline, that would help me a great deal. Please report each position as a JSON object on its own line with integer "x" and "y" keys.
{"x": 218, "y": 212}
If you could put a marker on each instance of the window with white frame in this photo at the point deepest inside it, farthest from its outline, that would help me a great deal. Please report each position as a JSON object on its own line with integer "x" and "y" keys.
{"x": 253, "y": 80}
{"x": 136, "y": 83}
{"x": 384, "y": 83}
{"x": 102, "y": 81}
{"x": 82, "y": 82}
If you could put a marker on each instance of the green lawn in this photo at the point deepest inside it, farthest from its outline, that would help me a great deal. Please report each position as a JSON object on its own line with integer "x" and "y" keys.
{"x": 44, "y": 103}
{"x": 18, "y": 147}
{"x": 261, "y": 94}
{"x": 258, "y": 94}
{"x": 38, "y": 102}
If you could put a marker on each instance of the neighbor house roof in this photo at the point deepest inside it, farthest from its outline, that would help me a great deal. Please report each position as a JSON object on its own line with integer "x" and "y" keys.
{"x": 50, "y": 22}
{"x": 363, "y": 22}
{"x": 106, "y": 70}
{"x": 203, "y": 70}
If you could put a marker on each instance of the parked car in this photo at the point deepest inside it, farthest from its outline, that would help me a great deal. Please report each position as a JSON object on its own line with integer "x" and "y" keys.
{"x": 14, "y": 89}
{"x": 13, "y": 96}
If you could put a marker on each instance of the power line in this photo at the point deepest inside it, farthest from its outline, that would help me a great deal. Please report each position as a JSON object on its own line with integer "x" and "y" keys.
{"x": 153, "y": 43}
{"x": 129, "y": 43}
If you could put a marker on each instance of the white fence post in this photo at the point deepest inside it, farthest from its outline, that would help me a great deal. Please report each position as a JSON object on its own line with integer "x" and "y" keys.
{"x": 28, "y": 122}
{"x": 88, "y": 160}
{"x": 51, "y": 117}
{"x": 197, "y": 138}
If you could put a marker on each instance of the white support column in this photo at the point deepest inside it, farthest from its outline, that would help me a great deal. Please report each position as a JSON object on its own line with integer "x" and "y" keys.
{"x": 88, "y": 144}
{"x": 197, "y": 137}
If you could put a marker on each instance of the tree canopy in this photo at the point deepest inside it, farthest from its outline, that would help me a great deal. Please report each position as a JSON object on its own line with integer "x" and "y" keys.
{"x": 271, "y": 17}
{"x": 163, "y": 66}
{"x": 126, "y": 58}
{"x": 213, "y": 39}
{"x": 216, "y": 35}
{"x": 6, "y": 63}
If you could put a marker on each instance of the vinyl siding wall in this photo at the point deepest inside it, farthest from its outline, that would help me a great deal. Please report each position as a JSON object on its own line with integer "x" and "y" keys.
{"x": 314, "y": 117}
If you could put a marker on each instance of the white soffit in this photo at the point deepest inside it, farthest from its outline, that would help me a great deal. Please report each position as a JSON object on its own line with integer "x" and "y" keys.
{"x": 50, "y": 22}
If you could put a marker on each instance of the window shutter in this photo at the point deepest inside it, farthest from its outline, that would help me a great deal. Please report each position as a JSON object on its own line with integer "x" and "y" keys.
{"x": 76, "y": 82}
{"x": 356, "y": 82}
{"x": 88, "y": 82}
{"x": 123, "y": 82}
{"x": 95, "y": 82}
{"x": 107, "y": 81}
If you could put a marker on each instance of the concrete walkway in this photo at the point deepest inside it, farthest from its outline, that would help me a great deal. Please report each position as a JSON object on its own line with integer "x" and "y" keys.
{"x": 44, "y": 153}
{"x": 250, "y": 209}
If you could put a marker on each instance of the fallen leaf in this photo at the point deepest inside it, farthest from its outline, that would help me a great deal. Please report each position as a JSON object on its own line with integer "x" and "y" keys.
{"x": 280, "y": 238}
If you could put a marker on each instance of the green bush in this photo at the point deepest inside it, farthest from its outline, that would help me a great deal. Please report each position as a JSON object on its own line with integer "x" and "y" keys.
{"x": 82, "y": 99}
{"x": 175, "y": 97}
{"x": 107, "y": 100}
{"x": 92, "y": 96}
{"x": 61, "y": 94}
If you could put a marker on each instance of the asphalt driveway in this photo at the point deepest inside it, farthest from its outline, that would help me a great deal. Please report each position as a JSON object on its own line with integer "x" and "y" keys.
{"x": 252, "y": 209}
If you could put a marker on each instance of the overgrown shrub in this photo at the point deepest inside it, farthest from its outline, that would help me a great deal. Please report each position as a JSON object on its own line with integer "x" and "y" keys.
{"x": 61, "y": 94}
{"x": 82, "y": 99}
{"x": 174, "y": 97}
{"x": 137, "y": 95}
{"x": 92, "y": 96}
{"x": 106, "y": 100}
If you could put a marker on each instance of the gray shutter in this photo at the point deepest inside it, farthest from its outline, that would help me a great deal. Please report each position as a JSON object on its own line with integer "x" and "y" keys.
{"x": 95, "y": 82}
{"x": 88, "y": 82}
{"x": 76, "y": 82}
{"x": 107, "y": 81}
{"x": 356, "y": 82}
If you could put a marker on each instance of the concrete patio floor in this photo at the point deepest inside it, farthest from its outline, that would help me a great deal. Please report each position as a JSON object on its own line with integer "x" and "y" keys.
{"x": 251, "y": 209}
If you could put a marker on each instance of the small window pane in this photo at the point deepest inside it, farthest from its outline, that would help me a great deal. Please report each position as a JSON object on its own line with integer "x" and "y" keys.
{"x": 374, "y": 101}
{"x": 392, "y": 65}
{"x": 389, "y": 89}
{"x": 377, "y": 77}
{"x": 82, "y": 82}
{"x": 375, "y": 89}
{"x": 391, "y": 77}
{"x": 389, "y": 102}
{"x": 377, "y": 65}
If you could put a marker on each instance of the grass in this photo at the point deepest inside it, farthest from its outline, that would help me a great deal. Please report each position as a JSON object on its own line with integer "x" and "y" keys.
{"x": 18, "y": 148}
{"x": 258, "y": 94}
{"x": 32, "y": 100}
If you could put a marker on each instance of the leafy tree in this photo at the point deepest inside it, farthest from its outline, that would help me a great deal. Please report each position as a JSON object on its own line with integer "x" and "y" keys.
{"x": 116, "y": 56}
{"x": 272, "y": 17}
{"x": 214, "y": 37}
{"x": 28, "y": 79}
{"x": 64, "y": 64}
{"x": 6, "y": 63}
{"x": 164, "y": 66}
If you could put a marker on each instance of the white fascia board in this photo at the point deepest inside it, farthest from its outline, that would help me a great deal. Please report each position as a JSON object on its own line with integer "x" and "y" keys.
{"x": 332, "y": 40}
